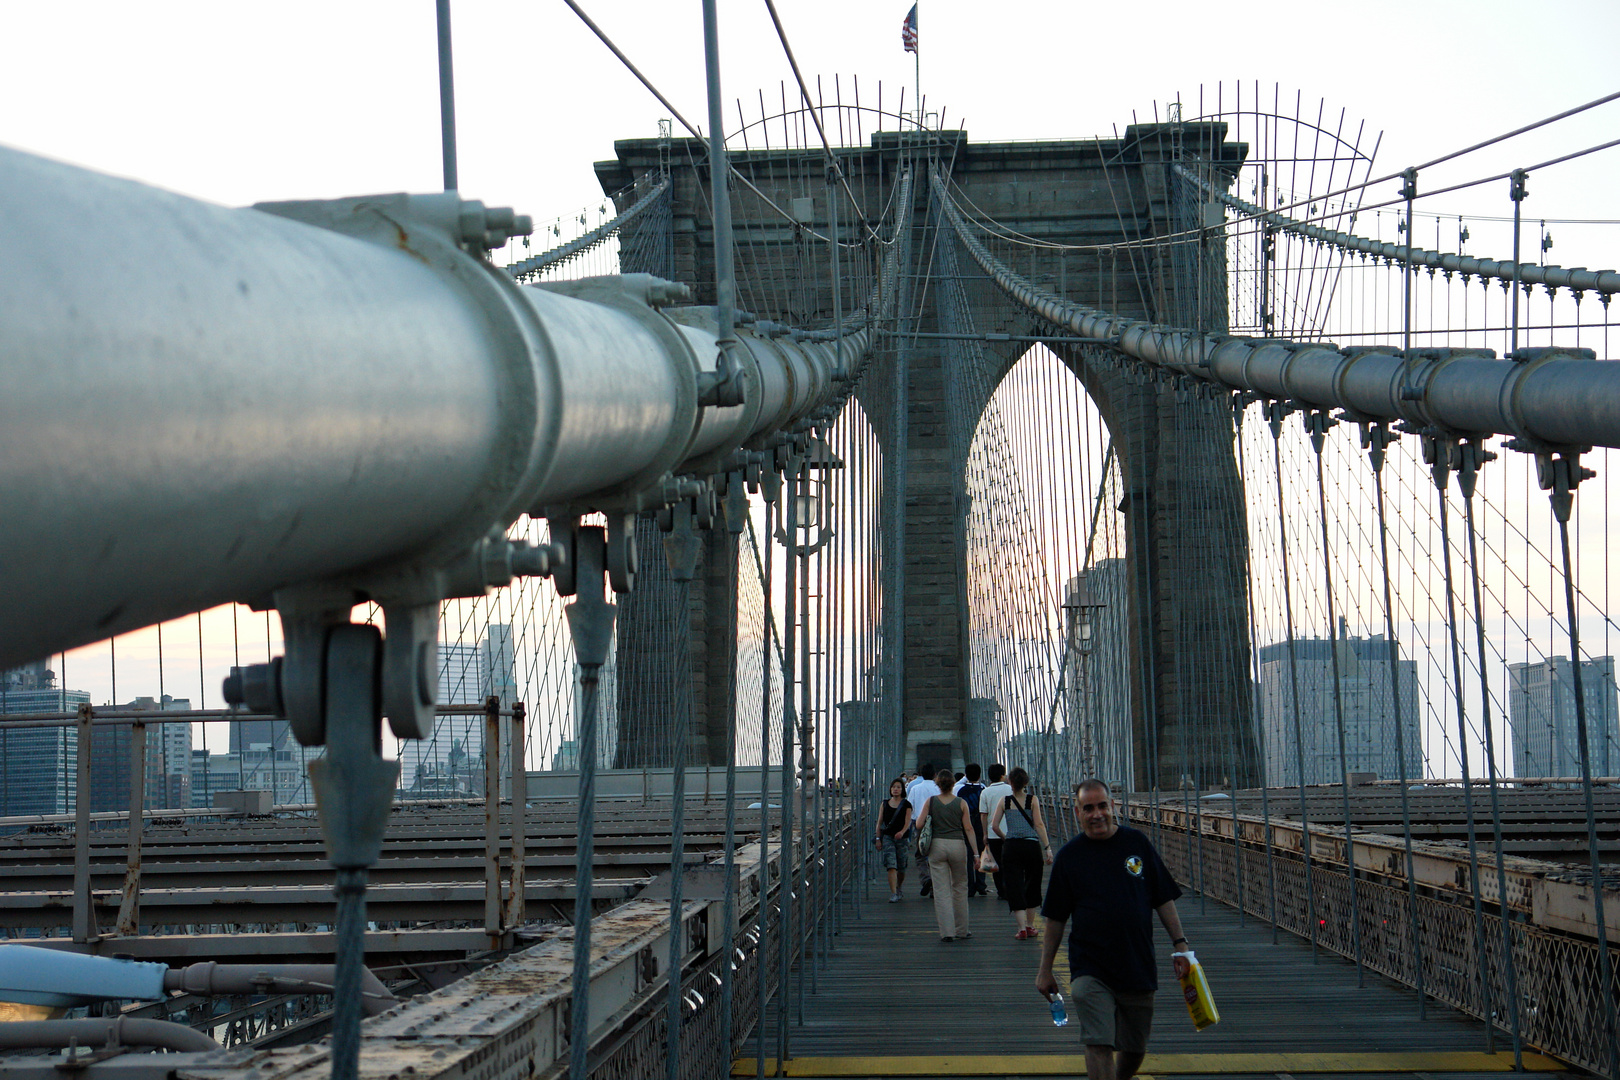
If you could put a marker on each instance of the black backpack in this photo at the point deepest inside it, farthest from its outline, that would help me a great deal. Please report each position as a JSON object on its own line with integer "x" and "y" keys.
{"x": 970, "y": 793}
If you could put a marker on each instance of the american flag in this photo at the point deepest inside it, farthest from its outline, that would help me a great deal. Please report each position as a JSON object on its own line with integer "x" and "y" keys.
{"x": 908, "y": 31}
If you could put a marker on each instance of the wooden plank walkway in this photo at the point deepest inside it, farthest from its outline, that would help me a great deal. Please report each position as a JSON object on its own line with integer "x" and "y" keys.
{"x": 1281, "y": 1013}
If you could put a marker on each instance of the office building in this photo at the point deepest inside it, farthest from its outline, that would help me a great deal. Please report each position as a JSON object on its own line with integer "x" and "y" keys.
{"x": 167, "y": 760}
{"x": 38, "y": 766}
{"x": 1541, "y": 715}
{"x": 1365, "y": 696}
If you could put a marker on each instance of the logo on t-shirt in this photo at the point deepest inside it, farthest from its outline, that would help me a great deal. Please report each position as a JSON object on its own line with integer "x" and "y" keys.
{"x": 1134, "y": 866}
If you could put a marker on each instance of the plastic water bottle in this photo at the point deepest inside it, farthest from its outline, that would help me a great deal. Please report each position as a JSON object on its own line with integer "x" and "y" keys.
{"x": 1060, "y": 1015}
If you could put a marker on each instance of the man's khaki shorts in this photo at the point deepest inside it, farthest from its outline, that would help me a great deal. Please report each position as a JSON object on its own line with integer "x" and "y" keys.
{"x": 1118, "y": 1018}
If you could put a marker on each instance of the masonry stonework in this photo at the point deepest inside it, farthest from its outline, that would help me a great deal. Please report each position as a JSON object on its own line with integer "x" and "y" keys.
{"x": 1192, "y": 703}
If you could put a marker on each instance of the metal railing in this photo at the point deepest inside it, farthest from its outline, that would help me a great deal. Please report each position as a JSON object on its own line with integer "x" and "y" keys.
{"x": 1560, "y": 997}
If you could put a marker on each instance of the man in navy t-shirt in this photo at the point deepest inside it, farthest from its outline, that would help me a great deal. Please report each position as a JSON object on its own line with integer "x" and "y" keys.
{"x": 1111, "y": 881}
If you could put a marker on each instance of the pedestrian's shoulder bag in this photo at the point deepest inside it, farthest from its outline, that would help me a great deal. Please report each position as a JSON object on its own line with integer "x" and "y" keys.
{"x": 925, "y": 835}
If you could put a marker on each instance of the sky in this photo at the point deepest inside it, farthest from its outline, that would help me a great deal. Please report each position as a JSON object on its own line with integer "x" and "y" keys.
{"x": 240, "y": 102}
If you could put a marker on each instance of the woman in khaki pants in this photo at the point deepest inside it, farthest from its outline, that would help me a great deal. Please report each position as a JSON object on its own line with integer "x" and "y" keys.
{"x": 948, "y": 856}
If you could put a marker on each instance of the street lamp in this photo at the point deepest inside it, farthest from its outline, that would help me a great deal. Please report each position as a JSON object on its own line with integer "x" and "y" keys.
{"x": 1082, "y": 608}
{"x": 810, "y": 498}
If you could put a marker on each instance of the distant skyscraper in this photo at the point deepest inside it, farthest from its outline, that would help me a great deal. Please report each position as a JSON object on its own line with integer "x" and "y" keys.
{"x": 211, "y": 773}
{"x": 265, "y": 756}
{"x": 38, "y": 766}
{"x": 260, "y": 735}
{"x": 1369, "y": 713}
{"x": 1541, "y": 714}
{"x": 450, "y": 762}
{"x": 167, "y": 771}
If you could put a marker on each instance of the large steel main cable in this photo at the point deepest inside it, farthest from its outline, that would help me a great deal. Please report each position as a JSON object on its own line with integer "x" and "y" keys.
{"x": 418, "y": 397}
{"x": 1552, "y": 397}
{"x": 1603, "y": 282}
{"x": 563, "y": 252}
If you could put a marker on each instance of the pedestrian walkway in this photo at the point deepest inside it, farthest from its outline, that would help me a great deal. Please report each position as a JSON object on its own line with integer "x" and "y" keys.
{"x": 1281, "y": 1014}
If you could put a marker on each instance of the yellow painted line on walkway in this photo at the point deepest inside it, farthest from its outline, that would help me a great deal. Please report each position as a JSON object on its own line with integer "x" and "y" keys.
{"x": 1436, "y": 1061}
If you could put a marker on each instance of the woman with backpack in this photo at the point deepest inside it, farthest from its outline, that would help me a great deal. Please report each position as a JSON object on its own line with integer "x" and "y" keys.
{"x": 945, "y": 816}
{"x": 1025, "y": 850}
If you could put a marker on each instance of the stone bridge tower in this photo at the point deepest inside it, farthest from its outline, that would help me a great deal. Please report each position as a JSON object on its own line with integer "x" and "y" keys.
{"x": 1186, "y": 528}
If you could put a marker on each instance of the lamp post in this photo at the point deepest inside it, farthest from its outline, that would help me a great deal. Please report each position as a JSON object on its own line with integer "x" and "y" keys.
{"x": 812, "y": 501}
{"x": 1081, "y": 609}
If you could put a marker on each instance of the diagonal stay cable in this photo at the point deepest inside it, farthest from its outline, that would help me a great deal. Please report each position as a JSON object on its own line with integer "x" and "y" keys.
{"x": 804, "y": 93}
{"x": 1492, "y": 141}
{"x": 673, "y": 111}
{"x": 625, "y": 60}
{"x": 1602, "y": 281}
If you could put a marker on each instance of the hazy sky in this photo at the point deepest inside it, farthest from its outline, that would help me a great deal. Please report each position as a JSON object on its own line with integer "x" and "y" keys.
{"x": 237, "y": 102}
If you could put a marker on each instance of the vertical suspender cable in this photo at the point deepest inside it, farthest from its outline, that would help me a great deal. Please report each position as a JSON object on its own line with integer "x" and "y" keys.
{"x": 1516, "y": 192}
{"x": 762, "y": 911}
{"x": 789, "y": 877}
{"x": 677, "y": 854}
{"x": 1376, "y": 439}
{"x": 725, "y": 287}
{"x": 447, "y": 97}
{"x": 579, "y": 1014}
{"x": 1318, "y": 427}
{"x": 1442, "y": 470}
{"x": 1260, "y": 726}
{"x": 1229, "y": 650}
{"x": 832, "y": 768}
{"x": 1276, "y": 410}
{"x": 1409, "y": 193}
{"x": 1466, "y": 479}
{"x": 729, "y": 967}
{"x": 1563, "y": 496}
{"x": 809, "y": 771}
{"x": 725, "y": 280}
{"x": 1193, "y": 836}
{"x": 799, "y": 569}
{"x": 1142, "y": 585}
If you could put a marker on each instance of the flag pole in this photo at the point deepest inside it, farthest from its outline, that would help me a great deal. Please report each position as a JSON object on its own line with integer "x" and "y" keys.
{"x": 917, "y": 55}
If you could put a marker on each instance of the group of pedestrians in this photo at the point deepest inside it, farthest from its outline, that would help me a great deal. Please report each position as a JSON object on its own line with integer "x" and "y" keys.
{"x": 1109, "y": 881}
{"x": 976, "y": 833}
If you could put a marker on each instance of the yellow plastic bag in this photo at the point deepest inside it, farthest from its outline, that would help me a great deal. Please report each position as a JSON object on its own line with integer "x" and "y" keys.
{"x": 1195, "y": 989}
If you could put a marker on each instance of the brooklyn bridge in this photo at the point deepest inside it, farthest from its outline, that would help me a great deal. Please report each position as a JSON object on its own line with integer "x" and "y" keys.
{"x": 583, "y": 586}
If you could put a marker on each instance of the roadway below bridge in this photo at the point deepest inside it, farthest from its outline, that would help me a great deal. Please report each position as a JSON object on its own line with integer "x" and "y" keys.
{"x": 895, "y": 1001}
{"x": 1540, "y": 820}
{"x": 239, "y": 889}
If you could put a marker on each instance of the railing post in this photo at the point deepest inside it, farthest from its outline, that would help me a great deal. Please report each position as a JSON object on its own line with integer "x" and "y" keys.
{"x": 516, "y": 913}
{"x": 84, "y": 918}
{"x": 492, "y": 820}
{"x": 129, "y": 907}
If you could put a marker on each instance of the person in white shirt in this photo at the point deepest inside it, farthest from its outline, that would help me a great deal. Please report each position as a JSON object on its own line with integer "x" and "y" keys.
{"x": 917, "y": 792}
{"x": 989, "y": 799}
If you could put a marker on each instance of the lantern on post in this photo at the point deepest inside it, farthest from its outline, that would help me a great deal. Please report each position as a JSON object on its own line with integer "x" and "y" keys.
{"x": 812, "y": 502}
{"x": 1082, "y": 610}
